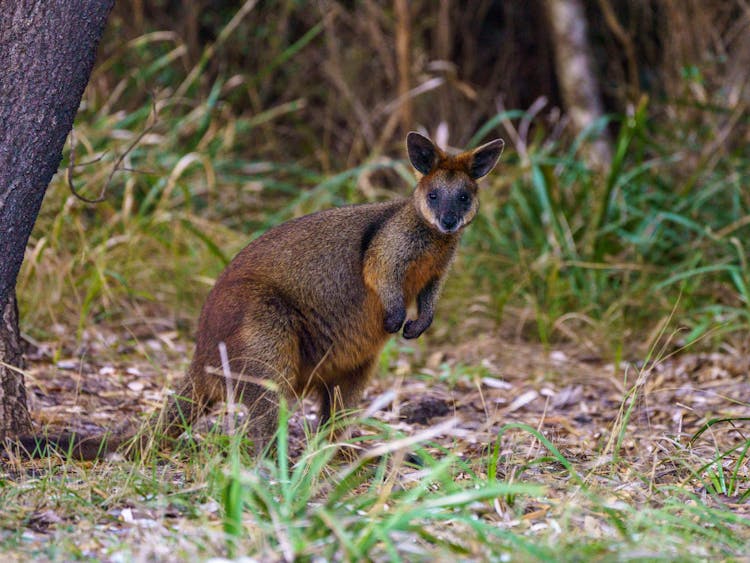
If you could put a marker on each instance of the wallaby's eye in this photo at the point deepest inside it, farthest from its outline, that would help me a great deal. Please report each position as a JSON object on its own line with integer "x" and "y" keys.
{"x": 463, "y": 198}
{"x": 432, "y": 195}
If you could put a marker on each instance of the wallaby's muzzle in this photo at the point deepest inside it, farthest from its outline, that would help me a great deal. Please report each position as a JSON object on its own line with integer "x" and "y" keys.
{"x": 449, "y": 222}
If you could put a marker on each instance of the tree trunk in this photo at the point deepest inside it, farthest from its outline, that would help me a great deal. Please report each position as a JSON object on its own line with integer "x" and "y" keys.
{"x": 403, "y": 60}
{"x": 575, "y": 74}
{"x": 14, "y": 416}
{"x": 47, "y": 51}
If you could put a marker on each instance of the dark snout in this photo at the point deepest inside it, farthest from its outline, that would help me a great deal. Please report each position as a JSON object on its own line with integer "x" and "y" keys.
{"x": 449, "y": 221}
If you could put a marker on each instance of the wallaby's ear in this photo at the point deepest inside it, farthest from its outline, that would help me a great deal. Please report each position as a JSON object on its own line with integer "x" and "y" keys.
{"x": 422, "y": 153}
{"x": 484, "y": 158}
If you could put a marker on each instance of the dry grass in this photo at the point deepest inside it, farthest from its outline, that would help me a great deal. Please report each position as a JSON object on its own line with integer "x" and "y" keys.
{"x": 615, "y": 453}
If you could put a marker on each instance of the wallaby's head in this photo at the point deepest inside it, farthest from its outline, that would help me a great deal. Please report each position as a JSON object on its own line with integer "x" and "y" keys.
{"x": 446, "y": 195}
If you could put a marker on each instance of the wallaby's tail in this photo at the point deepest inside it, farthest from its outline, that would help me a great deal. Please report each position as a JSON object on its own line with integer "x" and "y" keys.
{"x": 66, "y": 444}
{"x": 182, "y": 410}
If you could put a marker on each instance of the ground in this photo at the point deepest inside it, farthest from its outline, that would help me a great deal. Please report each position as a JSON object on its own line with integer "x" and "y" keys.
{"x": 629, "y": 432}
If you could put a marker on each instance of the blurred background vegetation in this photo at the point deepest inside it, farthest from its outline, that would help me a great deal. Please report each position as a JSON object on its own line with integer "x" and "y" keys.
{"x": 209, "y": 121}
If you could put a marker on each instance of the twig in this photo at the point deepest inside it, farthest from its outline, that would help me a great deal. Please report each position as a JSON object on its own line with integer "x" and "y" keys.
{"x": 231, "y": 405}
{"x": 626, "y": 40}
{"x": 82, "y": 164}
{"x": 153, "y": 116}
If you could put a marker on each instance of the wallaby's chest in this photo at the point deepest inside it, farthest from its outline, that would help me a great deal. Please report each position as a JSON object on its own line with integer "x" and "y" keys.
{"x": 428, "y": 266}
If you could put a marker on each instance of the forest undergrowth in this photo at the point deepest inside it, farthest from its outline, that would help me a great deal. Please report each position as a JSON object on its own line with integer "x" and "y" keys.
{"x": 583, "y": 394}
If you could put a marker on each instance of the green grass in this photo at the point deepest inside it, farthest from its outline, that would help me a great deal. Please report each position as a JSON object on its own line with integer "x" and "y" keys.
{"x": 570, "y": 240}
{"x": 408, "y": 499}
{"x": 580, "y": 249}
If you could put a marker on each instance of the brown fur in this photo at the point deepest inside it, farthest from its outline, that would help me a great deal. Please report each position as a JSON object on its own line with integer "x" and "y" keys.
{"x": 309, "y": 305}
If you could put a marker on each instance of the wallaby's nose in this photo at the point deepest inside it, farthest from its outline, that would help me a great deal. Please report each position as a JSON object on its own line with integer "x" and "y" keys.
{"x": 449, "y": 221}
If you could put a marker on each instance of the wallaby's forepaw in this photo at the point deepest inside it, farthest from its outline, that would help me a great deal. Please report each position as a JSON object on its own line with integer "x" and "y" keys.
{"x": 414, "y": 329}
{"x": 394, "y": 320}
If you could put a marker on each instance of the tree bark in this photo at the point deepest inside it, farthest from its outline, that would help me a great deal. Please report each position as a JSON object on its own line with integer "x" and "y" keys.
{"x": 47, "y": 51}
{"x": 579, "y": 86}
{"x": 14, "y": 416}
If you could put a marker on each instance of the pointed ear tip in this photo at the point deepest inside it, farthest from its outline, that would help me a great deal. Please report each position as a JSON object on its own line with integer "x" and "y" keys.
{"x": 497, "y": 144}
{"x": 414, "y": 136}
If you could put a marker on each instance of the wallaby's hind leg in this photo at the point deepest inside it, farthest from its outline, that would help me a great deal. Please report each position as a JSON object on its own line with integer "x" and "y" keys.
{"x": 263, "y": 366}
{"x": 343, "y": 393}
{"x": 262, "y": 406}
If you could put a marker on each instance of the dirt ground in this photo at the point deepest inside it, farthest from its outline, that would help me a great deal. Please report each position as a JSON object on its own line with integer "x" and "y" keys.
{"x": 576, "y": 399}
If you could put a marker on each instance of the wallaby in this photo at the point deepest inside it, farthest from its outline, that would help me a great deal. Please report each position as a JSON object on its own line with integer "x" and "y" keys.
{"x": 310, "y": 304}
